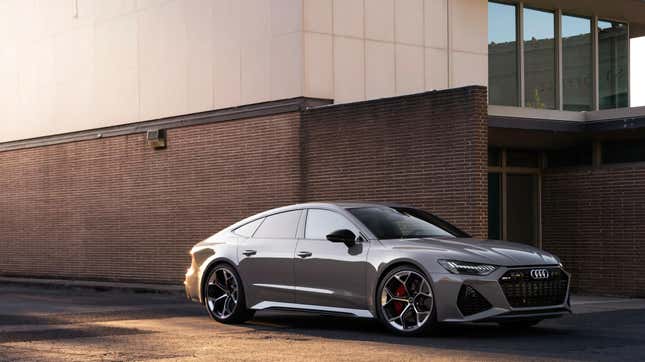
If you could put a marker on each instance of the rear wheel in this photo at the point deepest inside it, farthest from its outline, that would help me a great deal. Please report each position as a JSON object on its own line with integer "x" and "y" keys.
{"x": 405, "y": 302}
{"x": 224, "y": 296}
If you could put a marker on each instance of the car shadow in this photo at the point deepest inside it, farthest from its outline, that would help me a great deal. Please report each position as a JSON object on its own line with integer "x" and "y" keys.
{"x": 550, "y": 339}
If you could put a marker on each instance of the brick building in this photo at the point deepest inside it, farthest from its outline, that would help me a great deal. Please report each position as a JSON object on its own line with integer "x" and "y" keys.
{"x": 524, "y": 135}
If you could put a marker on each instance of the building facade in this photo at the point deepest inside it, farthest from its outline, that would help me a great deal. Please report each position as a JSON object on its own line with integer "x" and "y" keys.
{"x": 129, "y": 130}
{"x": 71, "y": 65}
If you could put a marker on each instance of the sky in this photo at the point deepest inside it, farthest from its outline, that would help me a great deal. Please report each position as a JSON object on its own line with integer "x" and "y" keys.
{"x": 637, "y": 81}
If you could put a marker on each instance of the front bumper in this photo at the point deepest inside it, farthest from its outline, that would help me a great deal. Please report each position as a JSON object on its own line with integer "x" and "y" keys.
{"x": 492, "y": 303}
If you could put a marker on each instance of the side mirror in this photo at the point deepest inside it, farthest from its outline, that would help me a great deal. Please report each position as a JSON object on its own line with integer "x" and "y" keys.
{"x": 343, "y": 236}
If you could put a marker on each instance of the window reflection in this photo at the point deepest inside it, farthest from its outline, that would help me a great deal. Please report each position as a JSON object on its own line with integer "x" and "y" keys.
{"x": 612, "y": 65}
{"x": 541, "y": 66}
{"x": 539, "y": 59}
{"x": 502, "y": 55}
{"x": 577, "y": 63}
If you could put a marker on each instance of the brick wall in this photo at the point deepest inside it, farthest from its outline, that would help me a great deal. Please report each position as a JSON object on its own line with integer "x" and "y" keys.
{"x": 593, "y": 219}
{"x": 427, "y": 150}
{"x": 114, "y": 209}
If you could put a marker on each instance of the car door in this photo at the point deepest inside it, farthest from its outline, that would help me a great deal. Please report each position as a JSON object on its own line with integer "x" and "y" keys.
{"x": 266, "y": 259}
{"x": 330, "y": 274}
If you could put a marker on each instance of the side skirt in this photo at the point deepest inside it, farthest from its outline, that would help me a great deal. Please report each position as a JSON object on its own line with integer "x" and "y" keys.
{"x": 268, "y": 305}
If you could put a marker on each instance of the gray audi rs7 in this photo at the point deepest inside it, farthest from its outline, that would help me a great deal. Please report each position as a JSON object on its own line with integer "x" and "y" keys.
{"x": 403, "y": 266}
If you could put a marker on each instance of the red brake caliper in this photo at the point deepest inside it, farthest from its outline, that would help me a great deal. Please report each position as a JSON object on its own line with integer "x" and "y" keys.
{"x": 398, "y": 306}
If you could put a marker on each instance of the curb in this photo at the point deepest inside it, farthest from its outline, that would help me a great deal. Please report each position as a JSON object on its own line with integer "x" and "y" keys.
{"x": 63, "y": 283}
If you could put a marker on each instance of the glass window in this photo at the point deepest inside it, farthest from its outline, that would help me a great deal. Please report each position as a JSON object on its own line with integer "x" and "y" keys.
{"x": 502, "y": 55}
{"x": 399, "y": 223}
{"x": 494, "y": 156}
{"x": 321, "y": 223}
{"x": 522, "y": 212}
{"x": 495, "y": 206}
{"x": 539, "y": 59}
{"x": 579, "y": 155}
{"x": 577, "y": 73}
{"x": 623, "y": 151}
{"x": 248, "y": 229}
{"x": 282, "y": 225}
{"x": 519, "y": 158}
{"x": 612, "y": 65}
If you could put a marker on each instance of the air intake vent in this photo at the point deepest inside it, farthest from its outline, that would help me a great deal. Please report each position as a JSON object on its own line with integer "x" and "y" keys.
{"x": 471, "y": 302}
{"x": 537, "y": 287}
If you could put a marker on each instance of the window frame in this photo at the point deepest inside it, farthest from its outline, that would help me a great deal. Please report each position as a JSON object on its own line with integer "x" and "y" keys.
{"x": 557, "y": 57}
{"x": 594, "y": 45}
{"x": 597, "y": 59}
{"x": 558, "y": 13}
{"x": 504, "y": 170}
{"x": 519, "y": 66}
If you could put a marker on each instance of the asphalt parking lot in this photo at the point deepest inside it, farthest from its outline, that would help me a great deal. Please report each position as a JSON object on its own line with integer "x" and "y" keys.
{"x": 79, "y": 324}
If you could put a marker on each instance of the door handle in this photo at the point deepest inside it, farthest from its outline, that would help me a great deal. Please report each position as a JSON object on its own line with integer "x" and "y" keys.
{"x": 304, "y": 254}
{"x": 249, "y": 252}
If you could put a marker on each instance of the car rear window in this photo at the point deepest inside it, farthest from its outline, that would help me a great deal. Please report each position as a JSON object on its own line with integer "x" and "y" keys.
{"x": 248, "y": 229}
{"x": 282, "y": 225}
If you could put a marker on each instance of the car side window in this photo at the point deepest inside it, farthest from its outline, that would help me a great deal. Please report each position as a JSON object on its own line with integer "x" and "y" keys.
{"x": 248, "y": 229}
{"x": 321, "y": 223}
{"x": 282, "y": 225}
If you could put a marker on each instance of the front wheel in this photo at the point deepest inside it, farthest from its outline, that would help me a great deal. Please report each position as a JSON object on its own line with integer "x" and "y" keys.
{"x": 405, "y": 302}
{"x": 224, "y": 296}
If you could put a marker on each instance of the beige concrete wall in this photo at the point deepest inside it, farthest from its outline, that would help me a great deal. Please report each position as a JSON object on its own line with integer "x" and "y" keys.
{"x": 366, "y": 49}
{"x": 69, "y": 65}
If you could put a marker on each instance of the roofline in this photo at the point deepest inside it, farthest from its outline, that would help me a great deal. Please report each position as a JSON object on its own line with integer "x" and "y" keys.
{"x": 263, "y": 109}
{"x": 350, "y": 204}
{"x": 316, "y": 204}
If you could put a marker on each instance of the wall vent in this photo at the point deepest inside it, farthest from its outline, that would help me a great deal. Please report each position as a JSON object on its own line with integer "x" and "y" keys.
{"x": 156, "y": 138}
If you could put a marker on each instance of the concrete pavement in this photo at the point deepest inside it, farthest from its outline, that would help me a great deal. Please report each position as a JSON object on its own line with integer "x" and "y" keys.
{"x": 78, "y": 324}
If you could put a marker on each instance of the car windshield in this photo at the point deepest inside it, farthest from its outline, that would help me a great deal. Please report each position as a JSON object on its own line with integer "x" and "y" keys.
{"x": 401, "y": 223}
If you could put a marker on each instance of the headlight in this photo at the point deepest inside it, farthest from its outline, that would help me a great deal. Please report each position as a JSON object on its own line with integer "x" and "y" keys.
{"x": 462, "y": 267}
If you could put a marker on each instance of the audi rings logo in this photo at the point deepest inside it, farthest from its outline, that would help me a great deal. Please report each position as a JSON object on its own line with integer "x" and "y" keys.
{"x": 539, "y": 274}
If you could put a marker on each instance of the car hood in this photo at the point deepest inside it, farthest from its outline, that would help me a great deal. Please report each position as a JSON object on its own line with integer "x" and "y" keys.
{"x": 502, "y": 253}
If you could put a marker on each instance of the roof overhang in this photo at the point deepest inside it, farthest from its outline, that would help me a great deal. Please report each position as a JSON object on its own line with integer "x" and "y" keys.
{"x": 562, "y": 121}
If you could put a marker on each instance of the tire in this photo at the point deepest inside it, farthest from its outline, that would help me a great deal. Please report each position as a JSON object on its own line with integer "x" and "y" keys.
{"x": 224, "y": 296}
{"x": 405, "y": 302}
{"x": 521, "y": 324}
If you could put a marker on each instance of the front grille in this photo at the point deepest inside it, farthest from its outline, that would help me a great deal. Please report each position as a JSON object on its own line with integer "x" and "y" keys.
{"x": 523, "y": 290}
{"x": 471, "y": 302}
